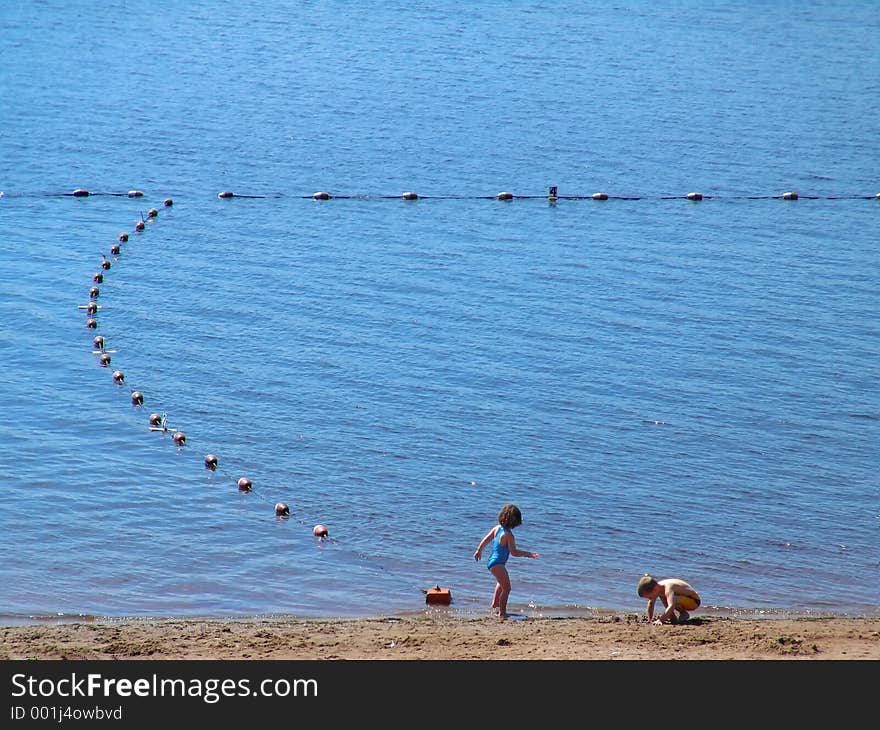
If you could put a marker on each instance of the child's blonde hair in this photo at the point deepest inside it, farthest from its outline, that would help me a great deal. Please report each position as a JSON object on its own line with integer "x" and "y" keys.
{"x": 646, "y": 584}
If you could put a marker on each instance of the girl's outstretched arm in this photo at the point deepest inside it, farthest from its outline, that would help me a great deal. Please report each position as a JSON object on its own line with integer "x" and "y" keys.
{"x": 485, "y": 541}
{"x": 511, "y": 544}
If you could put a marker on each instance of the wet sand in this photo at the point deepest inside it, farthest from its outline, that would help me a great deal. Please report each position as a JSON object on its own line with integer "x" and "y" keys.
{"x": 443, "y": 637}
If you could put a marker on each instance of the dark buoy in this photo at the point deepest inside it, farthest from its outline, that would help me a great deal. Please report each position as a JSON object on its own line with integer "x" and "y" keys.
{"x": 92, "y": 324}
{"x": 320, "y": 531}
{"x": 244, "y": 485}
{"x": 155, "y": 419}
{"x": 600, "y": 196}
{"x": 115, "y": 249}
{"x": 226, "y": 194}
{"x": 104, "y": 359}
{"x": 81, "y": 193}
{"x": 91, "y": 307}
{"x": 152, "y": 213}
{"x": 410, "y": 196}
{"x": 211, "y": 462}
{"x": 94, "y": 292}
{"x": 504, "y": 196}
{"x": 98, "y": 342}
{"x": 105, "y": 264}
{"x": 552, "y": 194}
{"x": 179, "y": 438}
{"x": 137, "y": 398}
{"x": 790, "y": 196}
{"x": 97, "y": 277}
{"x": 321, "y": 195}
{"x": 123, "y": 237}
{"x": 694, "y": 196}
{"x": 282, "y": 510}
{"x": 168, "y": 202}
{"x": 139, "y": 226}
{"x": 135, "y": 194}
{"x": 118, "y": 377}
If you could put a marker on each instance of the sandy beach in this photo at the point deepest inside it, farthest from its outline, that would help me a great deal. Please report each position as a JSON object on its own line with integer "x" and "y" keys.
{"x": 443, "y": 637}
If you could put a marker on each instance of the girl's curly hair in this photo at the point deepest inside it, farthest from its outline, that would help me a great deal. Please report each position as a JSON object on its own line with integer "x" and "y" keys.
{"x": 510, "y": 516}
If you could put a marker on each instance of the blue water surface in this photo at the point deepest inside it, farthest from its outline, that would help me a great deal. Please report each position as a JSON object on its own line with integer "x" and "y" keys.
{"x": 666, "y": 386}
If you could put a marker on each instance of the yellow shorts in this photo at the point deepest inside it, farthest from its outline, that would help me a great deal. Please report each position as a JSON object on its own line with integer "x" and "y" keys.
{"x": 687, "y": 603}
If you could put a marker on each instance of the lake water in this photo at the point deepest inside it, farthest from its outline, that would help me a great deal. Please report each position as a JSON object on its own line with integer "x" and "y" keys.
{"x": 666, "y": 386}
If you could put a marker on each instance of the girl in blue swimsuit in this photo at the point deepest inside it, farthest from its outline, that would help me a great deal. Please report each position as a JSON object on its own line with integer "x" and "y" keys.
{"x": 503, "y": 546}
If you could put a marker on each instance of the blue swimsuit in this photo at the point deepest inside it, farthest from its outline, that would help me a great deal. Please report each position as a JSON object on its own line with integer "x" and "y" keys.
{"x": 500, "y": 553}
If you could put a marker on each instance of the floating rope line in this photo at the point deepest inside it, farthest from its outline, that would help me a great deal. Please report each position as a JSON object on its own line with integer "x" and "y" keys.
{"x": 551, "y": 196}
{"x": 158, "y": 422}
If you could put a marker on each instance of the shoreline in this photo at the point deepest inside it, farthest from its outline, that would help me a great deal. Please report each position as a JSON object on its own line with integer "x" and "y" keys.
{"x": 452, "y": 611}
{"x": 443, "y": 636}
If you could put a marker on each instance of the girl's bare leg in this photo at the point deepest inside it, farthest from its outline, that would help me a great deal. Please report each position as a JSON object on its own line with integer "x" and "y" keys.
{"x": 502, "y": 590}
{"x": 496, "y": 598}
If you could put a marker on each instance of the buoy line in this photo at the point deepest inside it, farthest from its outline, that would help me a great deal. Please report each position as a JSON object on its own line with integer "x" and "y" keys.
{"x": 552, "y": 195}
{"x": 158, "y": 422}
